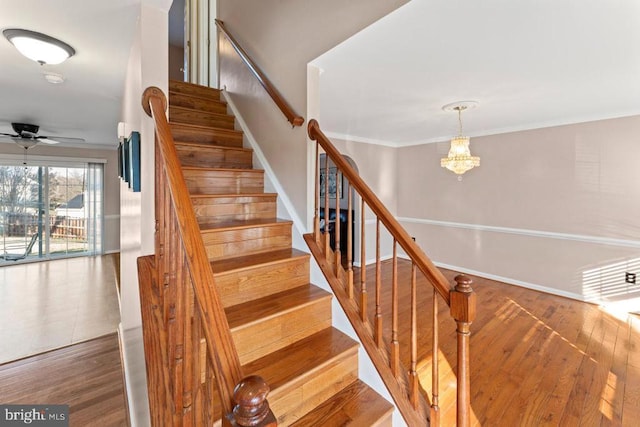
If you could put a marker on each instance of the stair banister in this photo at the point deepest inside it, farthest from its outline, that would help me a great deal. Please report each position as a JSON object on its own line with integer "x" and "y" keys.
{"x": 406, "y": 242}
{"x": 186, "y": 251}
{"x": 403, "y": 385}
{"x": 294, "y": 118}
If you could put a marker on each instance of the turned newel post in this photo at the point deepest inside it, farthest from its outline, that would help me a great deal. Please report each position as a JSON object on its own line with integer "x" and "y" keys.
{"x": 463, "y": 310}
{"x": 252, "y": 408}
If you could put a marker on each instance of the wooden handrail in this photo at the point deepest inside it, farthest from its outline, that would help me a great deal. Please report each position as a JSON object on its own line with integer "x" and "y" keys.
{"x": 393, "y": 226}
{"x": 219, "y": 341}
{"x": 294, "y": 118}
{"x": 384, "y": 350}
{"x": 182, "y": 261}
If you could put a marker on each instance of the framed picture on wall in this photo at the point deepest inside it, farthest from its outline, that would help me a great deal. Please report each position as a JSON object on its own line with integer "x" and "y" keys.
{"x": 333, "y": 181}
{"x": 134, "y": 161}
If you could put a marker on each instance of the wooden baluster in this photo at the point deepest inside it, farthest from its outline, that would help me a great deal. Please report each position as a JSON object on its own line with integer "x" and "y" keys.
{"x": 159, "y": 204}
{"x": 378, "y": 321}
{"x": 316, "y": 210}
{"x": 176, "y": 274}
{"x": 395, "y": 345}
{"x": 435, "y": 381}
{"x": 350, "y": 242}
{"x": 187, "y": 319}
{"x": 363, "y": 265}
{"x": 413, "y": 374}
{"x": 463, "y": 310}
{"x": 198, "y": 364}
{"x": 211, "y": 390}
{"x": 327, "y": 235}
{"x": 336, "y": 228}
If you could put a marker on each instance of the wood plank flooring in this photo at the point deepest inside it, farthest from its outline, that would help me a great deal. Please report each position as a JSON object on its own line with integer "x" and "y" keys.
{"x": 85, "y": 376}
{"x": 51, "y": 304}
{"x": 536, "y": 359}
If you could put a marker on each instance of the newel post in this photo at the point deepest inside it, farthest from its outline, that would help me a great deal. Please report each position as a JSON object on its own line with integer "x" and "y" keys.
{"x": 252, "y": 408}
{"x": 463, "y": 310}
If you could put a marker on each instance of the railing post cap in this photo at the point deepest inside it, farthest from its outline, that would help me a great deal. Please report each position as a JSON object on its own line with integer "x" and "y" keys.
{"x": 150, "y": 92}
{"x": 463, "y": 283}
{"x": 250, "y": 396}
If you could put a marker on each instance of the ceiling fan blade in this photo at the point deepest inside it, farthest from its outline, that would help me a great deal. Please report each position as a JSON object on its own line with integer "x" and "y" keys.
{"x": 27, "y": 134}
{"x": 57, "y": 139}
{"x": 10, "y": 134}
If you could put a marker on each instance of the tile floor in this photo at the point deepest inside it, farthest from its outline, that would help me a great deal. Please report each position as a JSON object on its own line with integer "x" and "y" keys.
{"x": 52, "y": 304}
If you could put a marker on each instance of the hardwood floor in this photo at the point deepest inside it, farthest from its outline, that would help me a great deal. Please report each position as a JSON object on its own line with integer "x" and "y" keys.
{"x": 51, "y": 304}
{"x": 85, "y": 376}
{"x": 536, "y": 359}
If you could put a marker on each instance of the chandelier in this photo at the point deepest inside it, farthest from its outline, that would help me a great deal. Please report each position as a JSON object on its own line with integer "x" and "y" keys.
{"x": 459, "y": 160}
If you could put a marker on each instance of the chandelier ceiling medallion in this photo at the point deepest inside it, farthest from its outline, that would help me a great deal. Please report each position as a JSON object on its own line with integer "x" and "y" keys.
{"x": 459, "y": 160}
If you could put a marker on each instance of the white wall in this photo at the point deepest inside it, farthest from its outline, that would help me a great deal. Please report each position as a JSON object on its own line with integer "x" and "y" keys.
{"x": 554, "y": 208}
{"x": 147, "y": 66}
{"x": 282, "y": 39}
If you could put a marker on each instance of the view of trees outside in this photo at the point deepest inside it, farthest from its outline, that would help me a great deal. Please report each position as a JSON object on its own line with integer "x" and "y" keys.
{"x": 23, "y": 214}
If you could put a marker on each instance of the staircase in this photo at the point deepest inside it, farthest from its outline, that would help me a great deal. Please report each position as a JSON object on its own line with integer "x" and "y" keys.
{"x": 280, "y": 323}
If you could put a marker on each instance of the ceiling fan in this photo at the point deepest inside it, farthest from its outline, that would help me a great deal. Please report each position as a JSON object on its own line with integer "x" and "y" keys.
{"x": 26, "y": 135}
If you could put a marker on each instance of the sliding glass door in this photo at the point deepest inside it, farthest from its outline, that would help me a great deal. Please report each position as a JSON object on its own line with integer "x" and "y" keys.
{"x": 49, "y": 211}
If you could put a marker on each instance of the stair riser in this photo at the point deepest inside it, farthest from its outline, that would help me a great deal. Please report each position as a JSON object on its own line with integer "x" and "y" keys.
{"x": 224, "y": 182}
{"x": 214, "y": 157}
{"x": 268, "y": 335}
{"x": 221, "y": 137}
{"x": 294, "y": 400}
{"x": 238, "y": 242}
{"x": 240, "y": 286}
{"x": 188, "y": 101}
{"x": 194, "y": 117}
{"x": 219, "y": 212}
{"x": 201, "y": 91}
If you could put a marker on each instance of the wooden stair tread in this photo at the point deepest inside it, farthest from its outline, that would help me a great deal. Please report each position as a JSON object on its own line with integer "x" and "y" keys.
{"x": 264, "y": 258}
{"x": 191, "y": 88}
{"x": 204, "y": 129}
{"x": 180, "y": 114}
{"x": 206, "y": 146}
{"x": 300, "y": 358}
{"x": 242, "y": 315}
{"x": 199, "y": 111}
{"x": 357, "y": 405}
{"x": 240, "y": 224}
{"x": 231, "y": 196}
{"x": 234, "y": 170}
{"x": 195, "y": 95}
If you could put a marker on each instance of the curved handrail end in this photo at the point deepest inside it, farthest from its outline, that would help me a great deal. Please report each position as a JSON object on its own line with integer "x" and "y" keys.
{"x": 312, "y": 126}
{"x": 153, "y": 91}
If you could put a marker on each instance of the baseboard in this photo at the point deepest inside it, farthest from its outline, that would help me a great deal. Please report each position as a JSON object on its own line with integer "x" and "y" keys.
{"x": 124, "y": 377}
{"x": 135, "y": 377}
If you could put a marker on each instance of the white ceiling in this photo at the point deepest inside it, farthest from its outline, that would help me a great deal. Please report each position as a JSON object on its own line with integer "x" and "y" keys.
{"x": 88, "y": 104}
{"x": 529, "y": 63}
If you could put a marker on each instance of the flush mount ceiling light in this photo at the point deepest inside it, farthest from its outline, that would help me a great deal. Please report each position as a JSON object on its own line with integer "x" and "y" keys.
{"x": 39, "y": 47}
{"x": 459, "y": 160}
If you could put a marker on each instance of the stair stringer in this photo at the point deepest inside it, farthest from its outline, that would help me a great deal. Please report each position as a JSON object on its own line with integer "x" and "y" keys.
{"x": 285, "y": 210}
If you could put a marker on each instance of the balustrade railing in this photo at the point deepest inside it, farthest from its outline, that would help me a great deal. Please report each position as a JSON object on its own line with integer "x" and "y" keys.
{"x": 193, "y": 371}
{"x": 380, "y": 328}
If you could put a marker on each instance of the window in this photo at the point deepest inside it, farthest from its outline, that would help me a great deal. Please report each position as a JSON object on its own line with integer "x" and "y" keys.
{"x": 50, "y": 209}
